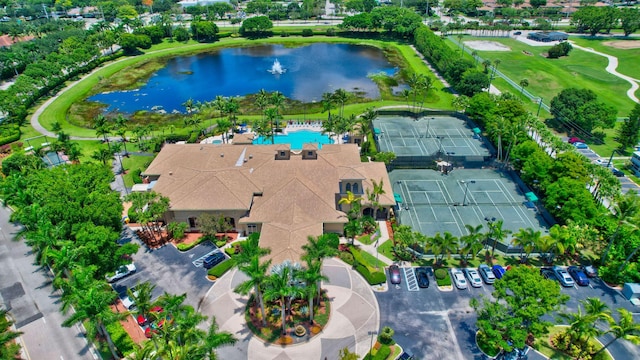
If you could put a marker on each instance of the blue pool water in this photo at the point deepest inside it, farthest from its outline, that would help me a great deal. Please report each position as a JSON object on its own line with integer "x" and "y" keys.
{"x": 296, "y": 139}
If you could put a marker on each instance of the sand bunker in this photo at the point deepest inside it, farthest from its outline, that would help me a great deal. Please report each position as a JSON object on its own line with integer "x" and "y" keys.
{"x": 483, "y": 45}
{"x": 623, "y": 44}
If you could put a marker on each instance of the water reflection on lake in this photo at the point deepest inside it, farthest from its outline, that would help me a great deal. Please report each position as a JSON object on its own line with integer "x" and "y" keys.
{"x": 308, "y": 72}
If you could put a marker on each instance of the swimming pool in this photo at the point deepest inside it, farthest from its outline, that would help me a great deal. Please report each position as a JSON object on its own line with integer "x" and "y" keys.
{"x": 296, "y": 139}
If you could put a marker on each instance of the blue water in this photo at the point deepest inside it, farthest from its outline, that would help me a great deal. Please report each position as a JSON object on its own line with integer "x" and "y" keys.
{"x": 310, "y": 71}
{"x": 296, "y": 139}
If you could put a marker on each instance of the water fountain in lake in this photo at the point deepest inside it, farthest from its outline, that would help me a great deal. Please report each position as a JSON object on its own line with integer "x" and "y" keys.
{"x": 277, "y": 68}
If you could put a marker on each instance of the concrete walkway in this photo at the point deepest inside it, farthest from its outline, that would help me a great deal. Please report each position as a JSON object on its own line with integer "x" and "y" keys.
{"x": 373, "y": 248}
{"x": 611, "y": 69}
{"x": 354, "y": 314}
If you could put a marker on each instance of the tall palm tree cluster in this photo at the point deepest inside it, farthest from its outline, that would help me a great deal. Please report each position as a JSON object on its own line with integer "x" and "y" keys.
{"x": 587, "y": 324}
{"x": 271, "y": 106}
{"x": 419, "y": 86}
{"x": 280, "y": 285}
{"x": 174, "y": 328}
{"x": 337, "y": 123}
{"x": 149, "y": 208}
{"x": 221, "y": 106}
{"x": 118, "y": 126}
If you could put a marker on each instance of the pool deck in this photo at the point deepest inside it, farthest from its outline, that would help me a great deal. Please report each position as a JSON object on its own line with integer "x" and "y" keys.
{"x": 292, "y": 126}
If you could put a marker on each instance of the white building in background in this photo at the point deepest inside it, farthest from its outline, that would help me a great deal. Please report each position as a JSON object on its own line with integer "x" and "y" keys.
{"x": 187, "y": 3}
{"x": 635, "y": 163}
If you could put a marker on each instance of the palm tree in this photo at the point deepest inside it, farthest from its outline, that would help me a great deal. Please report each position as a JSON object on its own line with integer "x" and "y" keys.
{"x": 341, "y": 96}
{"x": 313, "y": 277}
{"x": 272, "y": 117}
{"x": 366, "y": 121}
{"x": 327, "y": 102}
{"x": 353, "y": 228}
{"x": 378, "y": 189}
{"x": 354, "y": 202}
{"x": 625, "y": 209}
{"x": 90, "y": 301}
{"x": 102, "y": 155}
{"x": 189, "y": 105}
{"x": 121, "y": 130}
{"x": 497, "y": 129}
{"x": 142, "y": 297}
{"x": 460, "y": 103}
{"x": 318, "y": 248}
{"x": 442, "y": 246}
{"x": 257, "y": 273}
{"x": 546, "y": 244}
{"x": 215, "y": 339}
{"x": 526, "y": 239}
{"x": 8, "y": 348}
{"x": 523, "y": 84}
{"x": 277, "y": 100}
{"x": 279, "y": 287}
{"x": 625, "y": 328}
{"x": 498, "y": 233}
{"x": 232, "y": 107}
{"x": 472, "y": 241}
{"x": 262, "y": 100}
{"x": 224, "y": 125}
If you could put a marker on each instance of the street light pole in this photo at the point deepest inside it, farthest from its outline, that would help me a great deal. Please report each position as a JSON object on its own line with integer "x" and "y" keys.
{"x": 371, "y": 333}
{"x": 539, "y": 106}
{"x": 611, "y": 157}
{"x": 466, "y": 189}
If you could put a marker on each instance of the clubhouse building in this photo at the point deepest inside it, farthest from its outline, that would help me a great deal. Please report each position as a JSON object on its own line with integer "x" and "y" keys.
{"x": 285, "y": 195}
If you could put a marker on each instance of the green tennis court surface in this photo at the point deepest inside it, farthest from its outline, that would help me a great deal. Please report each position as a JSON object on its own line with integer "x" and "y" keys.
{"x": 432, "y": 202}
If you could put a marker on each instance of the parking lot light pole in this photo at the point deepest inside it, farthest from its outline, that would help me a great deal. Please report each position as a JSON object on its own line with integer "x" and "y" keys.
{"x": 371, "y": 333}
{"x": 466, "y": 189}
{"x": 611, "y": 157}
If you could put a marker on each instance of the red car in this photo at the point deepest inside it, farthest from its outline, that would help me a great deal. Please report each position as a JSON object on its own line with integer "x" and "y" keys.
{"x": 574, "y": 140}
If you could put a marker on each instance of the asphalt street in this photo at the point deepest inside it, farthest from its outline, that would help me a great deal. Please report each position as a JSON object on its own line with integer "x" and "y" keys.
{"x": 26, "y": 291}
{"x": 432, "y": 324}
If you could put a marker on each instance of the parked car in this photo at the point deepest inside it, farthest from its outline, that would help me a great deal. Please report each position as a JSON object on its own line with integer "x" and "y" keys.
{"x": 498, "y": 271}
{"x": 617, "y": 172}
{"x": 458, "y": 278}
{"x": 577, "y": 274}
{"x": 213, "y": 260}
{"x": 517, "y": 33}
{"x": 563, "y": 276}
{"x": 603, "y": 162}
{"x": 590, "y": 271}
{"x": 423, "y": 278}
{"x": 123, "y": 271}
{"x": 548, "y": 274}
{"x": 580, "y": 145}
{"x": 573, "y": 140}
{"x": 394, "y": 274}
{"x": 486, "y": 274}
{"x": 473, "y": 276}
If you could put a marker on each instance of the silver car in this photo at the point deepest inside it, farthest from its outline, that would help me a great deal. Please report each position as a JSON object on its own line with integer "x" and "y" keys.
{"x": 486, "y": 274}
{"x": 563, "y": 276}
{"x": 458, "y": 278}
{"x": 473, "y": 277}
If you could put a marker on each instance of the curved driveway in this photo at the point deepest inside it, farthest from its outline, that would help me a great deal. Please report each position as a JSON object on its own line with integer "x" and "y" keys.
{"x": 354, "y": 313}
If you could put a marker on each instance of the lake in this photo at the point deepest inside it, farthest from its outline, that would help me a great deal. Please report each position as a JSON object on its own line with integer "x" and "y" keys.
{"x": 307, "y": 72}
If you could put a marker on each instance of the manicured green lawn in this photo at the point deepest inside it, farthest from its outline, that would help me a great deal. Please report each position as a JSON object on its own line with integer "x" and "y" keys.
{"x": 57, "y": 111}
{"x": 547, "y": 77}
{"x": 134, "y": 162}
{"x": 627, "y": 58}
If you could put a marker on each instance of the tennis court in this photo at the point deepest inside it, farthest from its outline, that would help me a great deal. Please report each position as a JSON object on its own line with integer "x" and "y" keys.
{"x": 428, "y": 136}
{"x": 433, "y": 202}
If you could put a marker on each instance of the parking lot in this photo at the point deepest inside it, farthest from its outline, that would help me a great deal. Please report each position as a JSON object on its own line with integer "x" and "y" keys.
{"x": 170, "y": 270}
{"x": 431, "y": 324}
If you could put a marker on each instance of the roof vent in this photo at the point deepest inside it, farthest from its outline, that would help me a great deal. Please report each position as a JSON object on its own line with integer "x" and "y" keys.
{"x": 170, "y": 172}
{"x": 201, "y": 147}
{"x": 221, "y": 154}
{"x": 245, "y": 160}
{"x": 250, "y": 156}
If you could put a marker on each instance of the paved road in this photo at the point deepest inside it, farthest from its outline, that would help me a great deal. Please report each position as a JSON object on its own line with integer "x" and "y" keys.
{"x": 25, "y": 289}
{"x": 433, "y": 324}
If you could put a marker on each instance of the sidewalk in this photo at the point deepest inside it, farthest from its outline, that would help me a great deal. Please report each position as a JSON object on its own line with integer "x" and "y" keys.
{"x": 373, "y": 248}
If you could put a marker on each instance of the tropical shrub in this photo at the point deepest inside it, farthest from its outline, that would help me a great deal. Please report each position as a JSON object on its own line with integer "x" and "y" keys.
{"x": 333, "y": 240}
{"x": 176, "y": 229}
{"x": 121, "y": 338}
{"x": 386, "y": 335}
{"x": 307, "y": 32}
{"x": 442, "y": 277}
{"x": 346, "y": 257}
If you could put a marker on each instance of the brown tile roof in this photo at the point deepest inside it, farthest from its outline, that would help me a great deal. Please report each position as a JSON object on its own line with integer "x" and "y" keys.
{"x": 297, "y": 196}
{"x": 6, "y": 40}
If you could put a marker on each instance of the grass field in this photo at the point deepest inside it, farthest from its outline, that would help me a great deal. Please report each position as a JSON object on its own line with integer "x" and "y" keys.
{"x": 547, "y": 77}
{"x": 57, "y": 111}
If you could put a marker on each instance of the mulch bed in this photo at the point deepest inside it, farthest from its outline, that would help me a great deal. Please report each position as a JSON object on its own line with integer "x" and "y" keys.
{"x": 274, "y": 322}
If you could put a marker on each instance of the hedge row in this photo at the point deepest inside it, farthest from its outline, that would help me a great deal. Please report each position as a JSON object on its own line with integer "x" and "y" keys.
{"x": 187, "y": 247}
{"x": 9, "y": 134}
{"x": 221, "y": 268}
{"x": 121, "y": 338}
{"x": 372, "y": 275}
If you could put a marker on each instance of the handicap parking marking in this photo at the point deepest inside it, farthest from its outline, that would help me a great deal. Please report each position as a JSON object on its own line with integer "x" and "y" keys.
{"x": 199, "y": 261}
{"x": 410, "y": 279}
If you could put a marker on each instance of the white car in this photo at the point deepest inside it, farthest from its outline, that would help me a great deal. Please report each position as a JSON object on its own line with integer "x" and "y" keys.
{"x": 458, "y": 278}
{"x": 123, "y": 271}
{"x": 563, "y": 276}
{"x": 473, "y": 276}
{"x": 603, "y": 162}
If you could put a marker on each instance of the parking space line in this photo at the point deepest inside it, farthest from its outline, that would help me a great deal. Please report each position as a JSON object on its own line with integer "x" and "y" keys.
{"x": 198, "y": 262}
{"x": 410, "y": 279}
